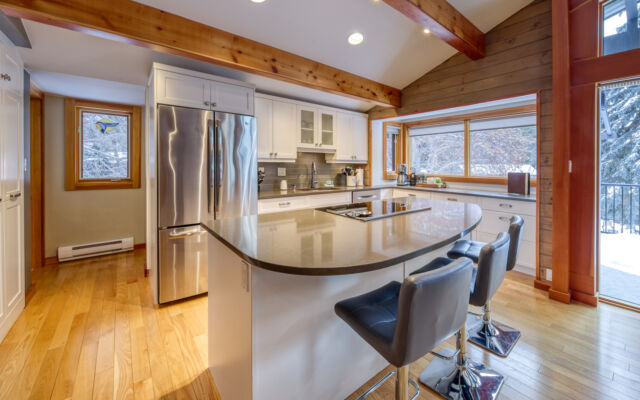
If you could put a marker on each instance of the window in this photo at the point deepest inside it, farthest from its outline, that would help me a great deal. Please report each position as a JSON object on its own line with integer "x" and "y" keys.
{"x": 483, "y": 147}
{"x": 620, "y": 26}
{"x": 499, "y": 146}
{"x": 102, "y": 145}
{"x": 438, "y": 150}
{"x": 392, "y": 149}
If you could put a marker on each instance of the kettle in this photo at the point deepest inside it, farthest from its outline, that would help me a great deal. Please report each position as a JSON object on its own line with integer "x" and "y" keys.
{"x": 402, "y": 178}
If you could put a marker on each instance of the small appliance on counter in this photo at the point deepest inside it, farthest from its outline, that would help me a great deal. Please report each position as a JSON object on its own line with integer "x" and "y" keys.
{"x": 413, "y": 179}
{"x": 519, "y": 183}
{"x": 359, "y": 177}
{"x": 402, "y": 178}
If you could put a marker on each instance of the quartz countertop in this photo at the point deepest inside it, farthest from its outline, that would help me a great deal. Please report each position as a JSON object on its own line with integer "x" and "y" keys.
{"x": 274, "y": 194}
{"x": 312, "y": 242}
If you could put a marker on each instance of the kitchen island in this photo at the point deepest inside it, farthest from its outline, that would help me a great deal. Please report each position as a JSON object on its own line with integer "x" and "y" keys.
{"x": 273, "y": 282}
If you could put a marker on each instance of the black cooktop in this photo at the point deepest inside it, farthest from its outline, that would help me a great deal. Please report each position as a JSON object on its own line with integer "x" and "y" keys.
{"x": 377, "y": 209}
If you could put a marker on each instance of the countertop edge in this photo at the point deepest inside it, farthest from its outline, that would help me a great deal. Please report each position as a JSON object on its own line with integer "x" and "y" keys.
{"x": 468, "y": 192}
{"x": 284, "y": 269}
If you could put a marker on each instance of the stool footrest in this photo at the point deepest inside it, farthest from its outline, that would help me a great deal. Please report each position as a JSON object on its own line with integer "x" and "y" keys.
{"x": 383, "y": 380}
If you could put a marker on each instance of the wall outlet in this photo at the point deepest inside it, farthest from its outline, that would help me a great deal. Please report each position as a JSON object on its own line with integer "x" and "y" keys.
{"x": 282, "y": 172}
{"x": 261, "y": 169}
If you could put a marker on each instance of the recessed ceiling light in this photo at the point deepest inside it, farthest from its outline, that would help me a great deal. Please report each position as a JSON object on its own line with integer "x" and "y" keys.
{"x": 355, "y": 38}
{"x": 426, "y": 30}
{"x": 258, "y": 1}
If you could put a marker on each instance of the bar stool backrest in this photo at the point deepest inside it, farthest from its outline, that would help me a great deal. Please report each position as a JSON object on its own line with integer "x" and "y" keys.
{"x": 492, "y": 267}
{"x": 431, "y": 307}
{"x": 515, "y": 235}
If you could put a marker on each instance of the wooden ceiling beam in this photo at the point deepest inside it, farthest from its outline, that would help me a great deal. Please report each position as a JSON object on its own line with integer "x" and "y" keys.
{"x": 444, "y": 21}
{"x": 136, "y": 23}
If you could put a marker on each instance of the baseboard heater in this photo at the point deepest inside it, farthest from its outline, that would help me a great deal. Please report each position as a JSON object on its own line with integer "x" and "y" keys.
{"x": 70, "y": 253}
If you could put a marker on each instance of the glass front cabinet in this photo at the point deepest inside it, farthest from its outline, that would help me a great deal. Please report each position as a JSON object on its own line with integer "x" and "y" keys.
{"x": 316, "y": 128}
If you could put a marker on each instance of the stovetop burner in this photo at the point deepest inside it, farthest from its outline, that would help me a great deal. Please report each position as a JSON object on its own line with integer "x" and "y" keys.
{"x": 372, "y": 210}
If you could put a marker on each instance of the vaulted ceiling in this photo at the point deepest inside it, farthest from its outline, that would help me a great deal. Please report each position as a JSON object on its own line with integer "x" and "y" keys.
{"x": 395, "y": 50}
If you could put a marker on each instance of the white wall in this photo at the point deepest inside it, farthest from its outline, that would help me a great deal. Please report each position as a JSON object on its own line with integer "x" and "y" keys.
{"x": 83, "y": 216}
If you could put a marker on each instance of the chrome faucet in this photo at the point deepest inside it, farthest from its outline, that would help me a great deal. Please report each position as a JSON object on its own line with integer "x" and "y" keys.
{"x": 314, "y": 176}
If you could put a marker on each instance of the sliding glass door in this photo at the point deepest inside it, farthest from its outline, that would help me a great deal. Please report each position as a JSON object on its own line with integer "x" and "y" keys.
{"x": 619, "y": 219}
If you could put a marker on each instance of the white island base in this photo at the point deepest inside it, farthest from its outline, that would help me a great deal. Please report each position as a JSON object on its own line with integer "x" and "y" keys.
{"x": 275, "y": 336}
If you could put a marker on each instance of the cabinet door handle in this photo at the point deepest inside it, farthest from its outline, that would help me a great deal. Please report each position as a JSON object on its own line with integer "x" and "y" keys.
{"x": 206, "y": 103}
{"x": 452, "y": 199}
{"x": 506, "y": 205}
{"x": 411, "y": 195}
{"x": 5, "y": 77}
{"x": 14, "y": 196}
{"x": 506, "y": 219}
{"x": 213, "y": 104}
{"x": 275, "y": 154}
{"x": 284, "y": 203}
{"x": 270, "y": 154}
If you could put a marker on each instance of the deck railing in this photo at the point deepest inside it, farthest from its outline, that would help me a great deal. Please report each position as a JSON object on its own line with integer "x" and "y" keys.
{"x": 619, "y": 208}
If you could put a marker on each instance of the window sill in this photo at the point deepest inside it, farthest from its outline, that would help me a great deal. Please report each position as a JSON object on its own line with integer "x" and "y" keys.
{"x": 489, "y": 180}
{"x": 102, "y": 185}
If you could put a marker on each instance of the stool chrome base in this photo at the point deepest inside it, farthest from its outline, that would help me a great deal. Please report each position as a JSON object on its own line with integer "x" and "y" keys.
{"x": 399, "y": 386}
{"x": 490, "y": 335}
{"x": 471, "y": 381}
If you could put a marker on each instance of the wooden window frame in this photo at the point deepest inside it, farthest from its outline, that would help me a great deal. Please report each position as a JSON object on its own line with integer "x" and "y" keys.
{"x": 466, "y": 119}
{"x": 400, "y": 155}
{"x": 73, "y": 154}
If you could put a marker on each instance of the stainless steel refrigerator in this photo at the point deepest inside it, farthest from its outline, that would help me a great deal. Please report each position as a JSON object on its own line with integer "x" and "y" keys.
{"x": 207, "y": 163}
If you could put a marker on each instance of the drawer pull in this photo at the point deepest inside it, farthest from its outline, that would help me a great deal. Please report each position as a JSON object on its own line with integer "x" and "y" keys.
{"x": 14, "y": 196}
{"x": 452, "y": 199}
{"x": 284, "y": 203}
{"x": 411, "y": 195}
{"x": 506, "y": 205}
{"x": 368, "y": 196}
{"x": 505, "y": 219}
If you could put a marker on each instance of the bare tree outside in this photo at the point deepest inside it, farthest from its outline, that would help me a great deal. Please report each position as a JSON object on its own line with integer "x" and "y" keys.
{"x": 105, "y": 146}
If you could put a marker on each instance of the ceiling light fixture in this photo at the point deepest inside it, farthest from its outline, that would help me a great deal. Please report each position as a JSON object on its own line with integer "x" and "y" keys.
{"x": 426, "y": 30}
{"x": 355, "y": 38}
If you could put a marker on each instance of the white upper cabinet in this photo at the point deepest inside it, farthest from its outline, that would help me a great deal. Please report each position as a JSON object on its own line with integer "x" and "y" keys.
{"x": 316, "y": 129}
{"x": 264, "y": 122}
{"x": 231, "y": 98}
{"x": 182, "y": 90}
{"x": 276, "y": 130}
{"x": 352, "y": 139}
{"x": 177, "y": 87}
{"x": 360, "y": 134}
{"x": 284, "y": 130}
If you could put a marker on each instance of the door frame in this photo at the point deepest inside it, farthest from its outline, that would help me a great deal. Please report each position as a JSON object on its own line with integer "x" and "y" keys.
{"x": 37, "y": 191}
{"x": 600, "y": 298}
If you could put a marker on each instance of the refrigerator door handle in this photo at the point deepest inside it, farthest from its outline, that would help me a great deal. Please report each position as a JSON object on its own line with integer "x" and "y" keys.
{"x": 217, "y": 170}
{"x": 181, "y": 233}
{"x": 210, "y": 166}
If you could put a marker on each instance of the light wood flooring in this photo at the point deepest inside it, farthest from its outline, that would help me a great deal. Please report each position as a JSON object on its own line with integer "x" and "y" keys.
{"x": 90, "y": 330}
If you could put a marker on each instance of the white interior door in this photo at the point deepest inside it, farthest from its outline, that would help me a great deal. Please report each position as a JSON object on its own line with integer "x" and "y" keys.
{"x": 13, "y": 271}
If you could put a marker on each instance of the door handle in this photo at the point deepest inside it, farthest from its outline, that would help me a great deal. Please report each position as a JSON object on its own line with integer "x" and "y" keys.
{"x": 14, "y": 196}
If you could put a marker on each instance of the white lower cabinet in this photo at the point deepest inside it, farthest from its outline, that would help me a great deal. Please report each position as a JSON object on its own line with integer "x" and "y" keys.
{"x": 299, "y": 202}
{"x": 496, "y": 216}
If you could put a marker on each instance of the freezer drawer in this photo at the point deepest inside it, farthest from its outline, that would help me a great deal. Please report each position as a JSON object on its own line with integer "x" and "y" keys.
{"x": 183, "y": 262}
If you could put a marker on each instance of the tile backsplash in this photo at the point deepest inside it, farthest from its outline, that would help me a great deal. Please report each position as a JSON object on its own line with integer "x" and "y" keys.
{"x": 299, "y": 173}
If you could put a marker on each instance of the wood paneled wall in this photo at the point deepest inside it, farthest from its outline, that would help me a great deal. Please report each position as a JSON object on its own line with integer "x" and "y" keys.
{"x": 517, "y": 61}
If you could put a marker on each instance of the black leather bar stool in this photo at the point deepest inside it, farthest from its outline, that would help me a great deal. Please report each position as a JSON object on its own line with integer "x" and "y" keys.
{"x": 494, "y": 336}
{"x": 403, "y": 322}
{"x": 464, "y": 379}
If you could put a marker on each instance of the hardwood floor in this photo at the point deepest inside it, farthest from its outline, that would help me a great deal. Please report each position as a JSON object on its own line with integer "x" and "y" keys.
{"x": 90, "y": 330}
